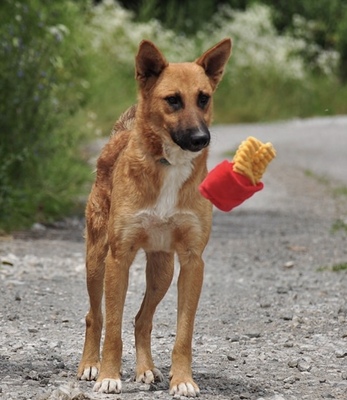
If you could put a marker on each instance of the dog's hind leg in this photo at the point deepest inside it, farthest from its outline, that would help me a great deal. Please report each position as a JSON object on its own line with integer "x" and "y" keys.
{"x": 159, "y": 273}
{"x": 117, "y": 264}
{"x": 95, "y": 267}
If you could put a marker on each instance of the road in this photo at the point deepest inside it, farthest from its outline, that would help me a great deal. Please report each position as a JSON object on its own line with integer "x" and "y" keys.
{"x": 272, "y": 317}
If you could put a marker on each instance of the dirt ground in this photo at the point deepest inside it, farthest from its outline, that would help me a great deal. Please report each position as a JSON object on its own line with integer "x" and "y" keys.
{"x": 272, "y": 317}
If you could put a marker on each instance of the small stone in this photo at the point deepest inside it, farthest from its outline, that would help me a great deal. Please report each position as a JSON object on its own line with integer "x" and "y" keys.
{"x": 291, "y": 379}
{"x": 265, "y": 305}
{"x": 282, "y": 290}
{"x": 231, "y": 357}
{"x": 33, "y": 330}
{"x": 77, "y": 394}
{"x": 245, "y": 395}
{"x": 293, "y": 363}
{"x": 37, "y": 227}
{"x": 303, "y": 366}
{"x": 287, "y": 317}
{"x": 253, "y": 335}
{"x": 340, "y": 353}
{"x": 289, "y": 264}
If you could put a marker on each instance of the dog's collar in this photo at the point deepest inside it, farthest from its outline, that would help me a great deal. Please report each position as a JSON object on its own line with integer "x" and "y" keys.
{"x": 164, "y": 161}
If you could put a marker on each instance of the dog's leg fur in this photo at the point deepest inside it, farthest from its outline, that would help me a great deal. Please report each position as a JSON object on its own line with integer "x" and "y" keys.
{"x": 90, "y": 363}
{"x": 118, "y": 261}
{"x": 159, "y": 273}
{"x": 96, "y": 238}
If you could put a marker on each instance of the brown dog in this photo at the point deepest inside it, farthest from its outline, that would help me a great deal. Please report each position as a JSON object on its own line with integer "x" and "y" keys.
{"x": 146, "y": 196}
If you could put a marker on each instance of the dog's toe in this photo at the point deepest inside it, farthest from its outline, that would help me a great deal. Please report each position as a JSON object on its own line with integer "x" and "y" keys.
{"x": 184, "y": 389}
{"x": 90, "y": 374}
{"x": 149, "y": 376}
{"x": 108, "y": 386}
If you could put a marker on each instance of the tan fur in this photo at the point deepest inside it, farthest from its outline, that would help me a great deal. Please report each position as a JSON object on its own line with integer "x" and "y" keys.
{"x": 146, "y": 196}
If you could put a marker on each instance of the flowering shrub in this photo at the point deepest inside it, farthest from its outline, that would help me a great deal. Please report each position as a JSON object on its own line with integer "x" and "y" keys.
{"x": 256, "y": 42}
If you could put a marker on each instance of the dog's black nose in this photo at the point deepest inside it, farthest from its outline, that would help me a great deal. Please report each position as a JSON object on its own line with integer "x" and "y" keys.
{"x": 192, "y": 139}
{"x": 199, "y": 139}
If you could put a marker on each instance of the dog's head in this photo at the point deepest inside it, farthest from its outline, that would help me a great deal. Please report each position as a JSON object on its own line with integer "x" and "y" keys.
{"x": 177, "y": 97}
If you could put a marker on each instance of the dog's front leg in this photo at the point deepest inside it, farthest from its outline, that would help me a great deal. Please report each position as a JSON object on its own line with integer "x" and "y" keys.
{"x": 189, "y": 289}
{"x": 116, "y": 284}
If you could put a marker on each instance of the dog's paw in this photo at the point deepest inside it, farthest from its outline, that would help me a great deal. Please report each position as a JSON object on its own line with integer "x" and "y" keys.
{"x": 188, "y": 389}
{"x": 108, "y": 386}
{"x": 89, "y": 374}
{"x": 149, "y": 376}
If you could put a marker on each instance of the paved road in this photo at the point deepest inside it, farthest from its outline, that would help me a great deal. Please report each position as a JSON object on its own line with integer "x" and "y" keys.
{"x": 318, "y": 144}
{"x": 272, "y": 317}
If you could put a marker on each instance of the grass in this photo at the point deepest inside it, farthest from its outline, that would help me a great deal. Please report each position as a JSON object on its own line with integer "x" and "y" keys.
{"x": 318, "y": 178}
{"x": 339, "y": 225}
{"x": 340, "y": 191}
{"x": 339, "y": 267}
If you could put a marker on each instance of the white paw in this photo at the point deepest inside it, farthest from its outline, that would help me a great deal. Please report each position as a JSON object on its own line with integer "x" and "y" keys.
{"x": 89, "y": 374}
{"x": 108, "y": 386}
{"x": 184, "y": 389}
{"x": 150, "y": 376}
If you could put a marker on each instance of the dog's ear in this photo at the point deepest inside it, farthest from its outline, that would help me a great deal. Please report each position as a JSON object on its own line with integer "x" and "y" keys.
{"x": 213, "y": 60}
{"x": 149, "y": 63}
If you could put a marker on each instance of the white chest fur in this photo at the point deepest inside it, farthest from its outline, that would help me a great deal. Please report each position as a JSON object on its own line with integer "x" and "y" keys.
{"x": 175, "y": 177}
{"x": 158, "y": 221}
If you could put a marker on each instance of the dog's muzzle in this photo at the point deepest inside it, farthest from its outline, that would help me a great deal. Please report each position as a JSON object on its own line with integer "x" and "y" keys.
{"x": 192, "y": 139}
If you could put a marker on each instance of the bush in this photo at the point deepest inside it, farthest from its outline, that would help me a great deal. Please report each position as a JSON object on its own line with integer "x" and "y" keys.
{"x": 42, "y": 85}
{"x": 267, "y": 77}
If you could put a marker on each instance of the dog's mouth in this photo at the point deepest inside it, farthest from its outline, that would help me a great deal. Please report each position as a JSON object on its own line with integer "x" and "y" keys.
{"x": 192, "y": 139}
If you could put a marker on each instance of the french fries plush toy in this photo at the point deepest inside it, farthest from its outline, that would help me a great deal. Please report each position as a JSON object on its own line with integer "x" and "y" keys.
{"x": 231, "y": 183}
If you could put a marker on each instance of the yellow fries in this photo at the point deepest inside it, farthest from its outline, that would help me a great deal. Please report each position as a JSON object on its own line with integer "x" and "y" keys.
{"x": 252, "y": 157}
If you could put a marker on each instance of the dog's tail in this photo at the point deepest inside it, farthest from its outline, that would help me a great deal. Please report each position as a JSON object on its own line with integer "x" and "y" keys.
{"x": 126, "y": 121}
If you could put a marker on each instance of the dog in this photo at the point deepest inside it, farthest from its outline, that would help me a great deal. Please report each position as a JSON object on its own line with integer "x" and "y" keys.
{"x": 145, "y": 196}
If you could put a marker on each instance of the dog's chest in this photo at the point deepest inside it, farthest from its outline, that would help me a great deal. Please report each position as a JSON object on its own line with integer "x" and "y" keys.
{"x": 160, "y": 220}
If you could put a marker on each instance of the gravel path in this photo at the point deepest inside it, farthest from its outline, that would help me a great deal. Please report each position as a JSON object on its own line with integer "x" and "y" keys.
{"x": 272, "y": 317}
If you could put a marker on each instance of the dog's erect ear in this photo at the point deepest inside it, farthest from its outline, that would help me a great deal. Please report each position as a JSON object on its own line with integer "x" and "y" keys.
{"x": 149, "y": 63}
{"x": 213, "y": 60}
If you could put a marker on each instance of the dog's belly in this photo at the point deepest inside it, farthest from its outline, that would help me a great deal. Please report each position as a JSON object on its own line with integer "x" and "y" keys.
{"x": 157, "y": 231}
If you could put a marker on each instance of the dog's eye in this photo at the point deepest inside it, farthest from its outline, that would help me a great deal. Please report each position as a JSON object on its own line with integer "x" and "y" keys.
{"x": 174, "y": 101}
{"x": 203, "y": 99}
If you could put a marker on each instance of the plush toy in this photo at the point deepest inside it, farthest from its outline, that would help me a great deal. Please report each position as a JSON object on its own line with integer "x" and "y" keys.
{"x": 231, "y": 183}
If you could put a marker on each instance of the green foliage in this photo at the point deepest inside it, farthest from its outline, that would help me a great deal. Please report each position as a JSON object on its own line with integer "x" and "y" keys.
{"x": 339, "y": 225}
{"x": 42, "y": 85}
{"x": 340, "y": 267}
{"x": 266, "y": 78}
{"x": 67, "y": 72}
{"x": 334, "y": 268}
{"x": 324, "y": 26}
{"x": 184, "y": 17}
{"x": 324, "y": 21}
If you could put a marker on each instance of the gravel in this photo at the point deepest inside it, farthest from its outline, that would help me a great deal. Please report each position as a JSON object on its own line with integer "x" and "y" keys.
{"x": 271, "y": 323}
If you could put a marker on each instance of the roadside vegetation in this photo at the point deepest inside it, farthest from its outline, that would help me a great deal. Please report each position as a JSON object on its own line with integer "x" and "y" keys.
{"x": 67, "y": 72}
